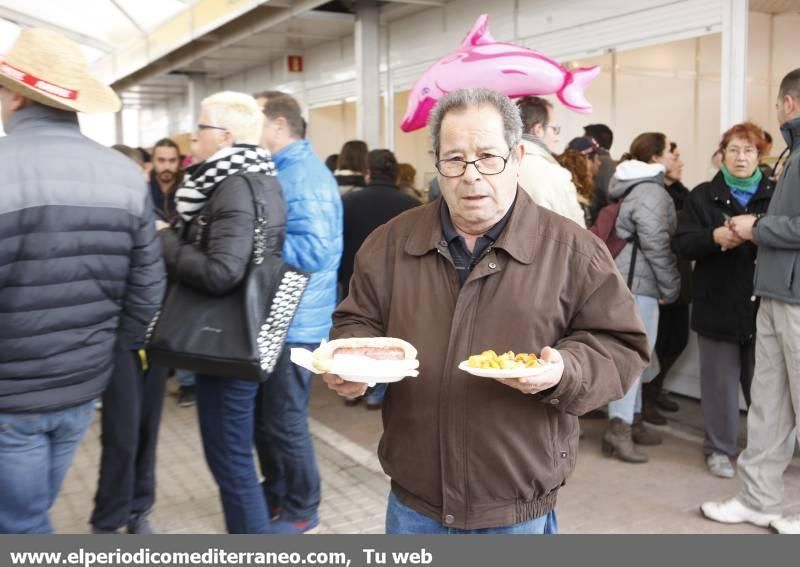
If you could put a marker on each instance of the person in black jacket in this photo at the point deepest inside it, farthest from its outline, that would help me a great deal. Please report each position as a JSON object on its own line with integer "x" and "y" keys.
{"x": 364, "y": 211}
{"x": 724, "y": 308}
{"x": 351, "y": 166}
{"x": 209, "y": 248}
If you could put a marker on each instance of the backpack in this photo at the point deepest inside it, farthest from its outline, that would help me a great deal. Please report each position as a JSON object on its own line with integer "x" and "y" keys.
{"x": 605, "y": 228}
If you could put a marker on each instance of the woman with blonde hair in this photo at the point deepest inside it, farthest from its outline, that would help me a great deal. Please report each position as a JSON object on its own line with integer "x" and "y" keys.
{"x": 209, "y": 248}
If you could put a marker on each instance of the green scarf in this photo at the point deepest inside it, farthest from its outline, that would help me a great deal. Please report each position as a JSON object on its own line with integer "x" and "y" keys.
{"x": 745, "y": 184}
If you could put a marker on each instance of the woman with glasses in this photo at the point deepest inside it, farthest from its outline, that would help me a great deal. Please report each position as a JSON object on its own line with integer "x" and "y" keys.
{"x": 647, "y": 221}
{"x": 209, "y": 248}
{"x": 724, "y": 308}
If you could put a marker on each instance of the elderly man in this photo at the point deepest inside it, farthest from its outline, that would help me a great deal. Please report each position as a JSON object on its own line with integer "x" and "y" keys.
{"x": 774, "y": 415}
{"x": 81, "y": 270}
{"x": 468, "y": 454}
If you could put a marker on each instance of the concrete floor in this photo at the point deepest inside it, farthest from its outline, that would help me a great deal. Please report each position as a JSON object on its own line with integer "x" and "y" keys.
{"x": 602, "y": 496}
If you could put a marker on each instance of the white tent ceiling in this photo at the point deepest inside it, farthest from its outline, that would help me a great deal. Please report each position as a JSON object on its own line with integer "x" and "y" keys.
{"x": 99, "y": 26}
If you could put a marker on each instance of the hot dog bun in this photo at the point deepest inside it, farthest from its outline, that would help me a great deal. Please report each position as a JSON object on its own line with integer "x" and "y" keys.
{"x": 376, "y": 348}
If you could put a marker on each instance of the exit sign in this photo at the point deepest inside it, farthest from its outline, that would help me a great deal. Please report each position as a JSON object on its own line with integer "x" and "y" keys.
{"x": 295, "y": 63}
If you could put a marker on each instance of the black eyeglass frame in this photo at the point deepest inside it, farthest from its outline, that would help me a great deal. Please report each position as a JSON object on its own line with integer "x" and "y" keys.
{"x": 209, "y": 127}
{"x": 474, "y": 163}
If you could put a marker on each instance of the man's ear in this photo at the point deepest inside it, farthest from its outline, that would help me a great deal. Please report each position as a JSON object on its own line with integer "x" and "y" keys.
{"x": 519, "y": 151}
{"x": 282, "y": 124}
{"x": 792, "y": 104}
{"x": 18, "y": 102}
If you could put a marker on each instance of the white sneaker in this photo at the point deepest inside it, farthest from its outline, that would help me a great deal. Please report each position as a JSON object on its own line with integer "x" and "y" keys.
{"x": 720, "y": 465}
{"x": 787, "y": 524}
{"x": 734, "y": 512}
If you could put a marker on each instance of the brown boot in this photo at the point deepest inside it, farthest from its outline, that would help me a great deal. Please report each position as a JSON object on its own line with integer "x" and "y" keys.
{"x": 641, "y": 434}
{"x": 618, "y": 441}
{"x": 651, "y": 414}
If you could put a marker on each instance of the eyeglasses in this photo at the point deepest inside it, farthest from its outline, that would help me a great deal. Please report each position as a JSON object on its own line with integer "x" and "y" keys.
{"x": 488, "y": 165}
{"x": 748, "y": 151}
{"x": 556, "y": 129}
{"x": 209, "y": 127}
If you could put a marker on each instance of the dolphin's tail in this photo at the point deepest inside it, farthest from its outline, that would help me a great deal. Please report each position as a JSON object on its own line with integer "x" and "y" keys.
{"x": 576, "y": 81}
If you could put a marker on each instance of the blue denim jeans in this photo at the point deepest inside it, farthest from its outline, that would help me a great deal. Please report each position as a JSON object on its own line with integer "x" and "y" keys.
{"x": 631, "y": 403}
{"x": 377, "y": 394}
{"x": 36, "y": 450}
{"x": 402, "y": 520}
{"x": 285, "y": 450}
{"x": 225, "y": 409}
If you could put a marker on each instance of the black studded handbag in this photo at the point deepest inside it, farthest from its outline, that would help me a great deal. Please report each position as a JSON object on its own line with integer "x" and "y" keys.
{"x": 237, "y": 335}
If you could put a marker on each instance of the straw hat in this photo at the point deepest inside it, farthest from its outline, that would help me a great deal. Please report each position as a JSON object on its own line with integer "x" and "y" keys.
{"x": 48, "y": 68}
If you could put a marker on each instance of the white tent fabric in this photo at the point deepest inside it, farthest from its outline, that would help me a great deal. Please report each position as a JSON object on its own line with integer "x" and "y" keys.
{"x": 99, "y": 26}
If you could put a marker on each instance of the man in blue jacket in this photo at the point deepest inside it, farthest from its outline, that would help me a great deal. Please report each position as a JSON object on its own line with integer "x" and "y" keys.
{"x": 774, "y": 416}
{"x": 80, "y": 269}
{"x": 314, "y": 244}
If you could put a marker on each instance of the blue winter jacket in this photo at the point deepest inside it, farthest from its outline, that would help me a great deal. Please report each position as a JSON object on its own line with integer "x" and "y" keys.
{"x": 313, "y": 236}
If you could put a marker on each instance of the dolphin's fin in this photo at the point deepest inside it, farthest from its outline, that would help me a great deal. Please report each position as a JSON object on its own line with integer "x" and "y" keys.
{"x": 571, "y": 94}
{"x": 479, "y": 34}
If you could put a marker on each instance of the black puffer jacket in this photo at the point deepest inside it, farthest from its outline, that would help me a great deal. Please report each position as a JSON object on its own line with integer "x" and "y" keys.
{"x": 217, "y": 262}
{"x": 723, "y": 304}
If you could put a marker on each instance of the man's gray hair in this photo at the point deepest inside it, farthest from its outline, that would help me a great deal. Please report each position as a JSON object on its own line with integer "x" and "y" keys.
{"x": 462, "y": 99}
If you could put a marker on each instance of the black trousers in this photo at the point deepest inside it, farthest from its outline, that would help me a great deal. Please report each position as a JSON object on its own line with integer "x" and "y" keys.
{"x": 132, "y": 405}
{"x": 673, "y": 337}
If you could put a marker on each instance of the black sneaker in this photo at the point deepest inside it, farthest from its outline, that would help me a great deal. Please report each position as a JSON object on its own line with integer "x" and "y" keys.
{"x": 186, "y": 397}
{"x": 101, "y": 531}
{"x": 139, "y": 524}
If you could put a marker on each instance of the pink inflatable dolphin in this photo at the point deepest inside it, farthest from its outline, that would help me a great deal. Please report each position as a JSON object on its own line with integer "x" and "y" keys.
{"x": 516, "y": 71}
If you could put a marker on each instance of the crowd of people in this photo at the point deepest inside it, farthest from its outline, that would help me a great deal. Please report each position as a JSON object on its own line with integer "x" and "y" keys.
{"x": 592, "y": 262}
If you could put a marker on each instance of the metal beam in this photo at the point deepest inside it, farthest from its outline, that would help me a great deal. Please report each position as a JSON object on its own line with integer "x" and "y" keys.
{"x": 436, "y": 3}
{"x": 320, "y": 36}
{"x": 28, "y": 21}
{"x": 193, "y": 51}
{"x": 130, "y": 18}
{"x": 367, "y": 53}
{"x": 733, "y": 83}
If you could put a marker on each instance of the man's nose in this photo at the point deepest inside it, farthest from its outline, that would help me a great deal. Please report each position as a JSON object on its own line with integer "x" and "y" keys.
{"x": 472, "y": 175}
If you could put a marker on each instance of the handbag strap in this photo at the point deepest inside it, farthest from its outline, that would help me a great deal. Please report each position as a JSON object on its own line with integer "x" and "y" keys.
{"x": 632, "y": 268}
{"x": 260, "y": 230}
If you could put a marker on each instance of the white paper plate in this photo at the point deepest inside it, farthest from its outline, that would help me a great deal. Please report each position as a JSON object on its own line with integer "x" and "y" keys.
{"x": 356, "y": 369}
{"x": 371, "y": 379}
{"x": 509, "y": 373}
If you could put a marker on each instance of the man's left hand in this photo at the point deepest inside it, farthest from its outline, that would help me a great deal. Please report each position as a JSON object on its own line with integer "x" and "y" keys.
{"x": 742, "y": 226}
{"x": 543, "y": 381}
{"x": 161, "y": 225}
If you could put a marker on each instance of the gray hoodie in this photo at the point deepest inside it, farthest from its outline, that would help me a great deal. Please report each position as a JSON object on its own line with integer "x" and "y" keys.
{"x": 778, "y": 233}
{"x": 648, "y": 212}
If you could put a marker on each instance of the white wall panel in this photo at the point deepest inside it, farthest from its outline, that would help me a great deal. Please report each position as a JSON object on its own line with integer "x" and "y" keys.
{"x": 418, "y": 38}
{"x": 461, "y": 15}
{"x": 548, "y": 16}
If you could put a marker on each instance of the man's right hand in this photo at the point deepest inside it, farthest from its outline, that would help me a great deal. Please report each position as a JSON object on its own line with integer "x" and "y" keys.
{"x": 343, "y": 387}
{"x": 726, "y": 238}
